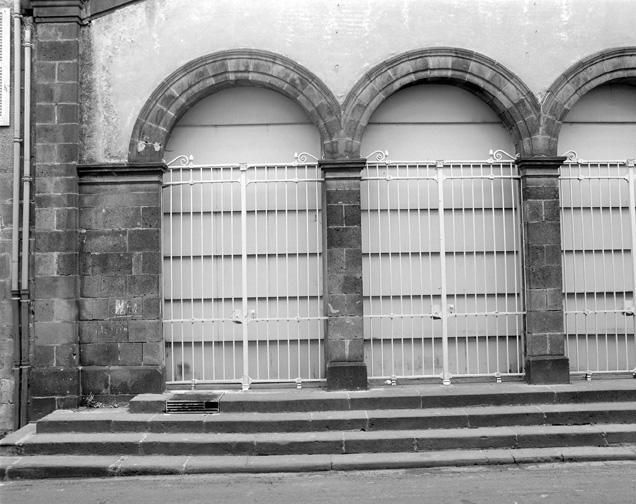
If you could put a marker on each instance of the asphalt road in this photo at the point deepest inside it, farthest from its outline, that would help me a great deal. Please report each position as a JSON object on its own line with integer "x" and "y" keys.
{"x": 593, "y": 483}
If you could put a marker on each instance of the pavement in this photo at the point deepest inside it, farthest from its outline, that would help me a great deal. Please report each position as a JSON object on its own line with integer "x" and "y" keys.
{"x": 570, "y": 483}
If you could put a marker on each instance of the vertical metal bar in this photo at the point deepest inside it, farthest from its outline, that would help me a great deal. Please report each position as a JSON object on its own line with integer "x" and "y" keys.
{"x": 612, "y": 254}
{"x": 276, "y": 211}
{"x": 201, "y": 235}
{"x": 594, "y": 281}
{"x": 181, "y": 276}
{"x": 584, "y": 259}
{"x": 496, "y": 279}
{"x": 604, "y": 260}
{"x": 411, "y": 275}
{"x": 369, "y": 312}
{"x": 307, "y": 268}
{"x": 245, "y": 383}
{"x": 442, "y": 255}
{"x": 430, "y": 203}
{"x": 505, "y": 268}
{"x": 465, "y": 265}
{"x": 623, "y": 262}
{"x": 319, "y": 252}
{"x": 419, "y": 250}
{"x": 564, "y": 278}
{"x": 171, "y": 283}
{"x": 192, "y": 277}
{"x": 400, "y": 266}
{"x": 222, "y": 269}
{"x": 575, "y": 276}
{"x": 473, "y": 190}
{"x": 391, "y": 320}
{"x": 380, "y": 269}
{"x": 485, "y": 294}
{"x": 287, "y": 273}
{"x": 215, "y": 323}
{"x": 631, "y": 180}
{"x": 267, "y": 280}
{"x": 297, "y": 259}
{"x": 516, "y": 224}
{"x": 454, "y": 236}
{"x": 255, "y": 312}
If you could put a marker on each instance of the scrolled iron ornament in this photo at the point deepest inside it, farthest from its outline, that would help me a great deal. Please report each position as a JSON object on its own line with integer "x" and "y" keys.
{"x": 496, "y": 156}
{"x": 303, "y": 157}
{"x": 182, "y": 160}
{"x": 570, "y": 156}
{"x": 378, "y": 155}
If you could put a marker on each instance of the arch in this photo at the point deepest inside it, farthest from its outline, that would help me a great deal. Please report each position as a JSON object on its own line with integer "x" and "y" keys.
{"x": 613, "y": 65}
{"x": 207, "y": 74}
{"x": 501, "y": 89}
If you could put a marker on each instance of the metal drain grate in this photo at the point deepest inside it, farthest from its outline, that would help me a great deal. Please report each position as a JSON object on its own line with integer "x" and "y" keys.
{"x": 191, "y": 406}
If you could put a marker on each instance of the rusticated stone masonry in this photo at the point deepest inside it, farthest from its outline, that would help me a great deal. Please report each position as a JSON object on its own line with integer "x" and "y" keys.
{"x": 121, "y": 347}
{"x": 207, "y": 74}
{"x": 54, "y": 378}
{"x": 344, "y": 344}
{"x": 544, "y": 338}
{"x": 505, "y": 92}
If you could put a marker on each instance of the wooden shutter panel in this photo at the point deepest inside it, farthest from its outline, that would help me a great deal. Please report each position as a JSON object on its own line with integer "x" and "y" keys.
{"x": 5, "y": 66}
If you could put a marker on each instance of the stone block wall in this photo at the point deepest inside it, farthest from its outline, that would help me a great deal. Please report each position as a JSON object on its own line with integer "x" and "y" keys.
{"x": 121, "y": 349}
{"x": 54, "y": 378}
{"x": 344, "y": 345}
{"x": 544, "y": 337}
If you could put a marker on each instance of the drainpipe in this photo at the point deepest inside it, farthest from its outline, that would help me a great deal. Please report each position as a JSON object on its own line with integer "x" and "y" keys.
{"x": 25, "y": 298}
{"x": 15, "y": 235}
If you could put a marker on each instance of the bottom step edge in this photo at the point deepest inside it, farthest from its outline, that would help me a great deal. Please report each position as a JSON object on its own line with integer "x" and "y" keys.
{"x": 78, "y": 466}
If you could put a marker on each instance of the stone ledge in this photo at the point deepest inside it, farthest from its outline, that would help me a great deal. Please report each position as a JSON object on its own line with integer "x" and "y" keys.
{"x": 120, "y": 173}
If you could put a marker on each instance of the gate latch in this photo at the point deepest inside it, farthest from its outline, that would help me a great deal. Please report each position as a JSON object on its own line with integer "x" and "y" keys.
{"x": 237, "y": 316}
{"x": 628, "y": 310}
{"x": 437, "y": 312}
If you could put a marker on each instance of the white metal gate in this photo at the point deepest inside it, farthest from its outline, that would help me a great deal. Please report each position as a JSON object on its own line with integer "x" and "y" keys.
{"x": 442, "y": 273}
{"x": 242, "y": 249}
{"x": 598, "y": 225}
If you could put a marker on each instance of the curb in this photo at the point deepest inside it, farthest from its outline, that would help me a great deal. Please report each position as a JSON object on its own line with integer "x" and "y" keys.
{"x": 79, "y": 466}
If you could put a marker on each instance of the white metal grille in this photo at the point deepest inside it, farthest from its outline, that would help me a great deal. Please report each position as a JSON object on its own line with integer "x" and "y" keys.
{"x": 242, "y": 272}
{"x": 598, "y": 225}
{"x": 442, "y": 268}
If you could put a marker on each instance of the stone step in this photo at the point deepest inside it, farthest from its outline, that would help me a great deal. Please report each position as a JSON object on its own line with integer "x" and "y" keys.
{"x": 26, "y": 442}
{"x": 119, "y": 420}
{"x": 401, "y": 397}
{"x": 94, "y": 466}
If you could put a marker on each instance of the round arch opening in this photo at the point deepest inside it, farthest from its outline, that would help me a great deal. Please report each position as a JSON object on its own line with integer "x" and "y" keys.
{"x": 244, "y": 124}
{"x": 602, "y": 124}
{"x": 435, "y": 121}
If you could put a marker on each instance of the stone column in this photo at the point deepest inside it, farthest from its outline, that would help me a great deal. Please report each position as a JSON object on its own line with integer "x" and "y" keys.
{"x": 120, "y": 330}
{"x": 344, "y": 344}
{"x": 544, "y": 338}
{"x": 54, "y": 377}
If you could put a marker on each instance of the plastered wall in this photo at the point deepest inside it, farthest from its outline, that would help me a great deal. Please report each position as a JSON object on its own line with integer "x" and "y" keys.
{"x": 127, "y": 53}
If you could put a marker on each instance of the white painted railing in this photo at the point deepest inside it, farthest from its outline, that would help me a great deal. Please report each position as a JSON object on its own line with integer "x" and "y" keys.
{"x": 242, "y": 249}
{"x": 598, "y": 226}
{"x": 442, "y": 270}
